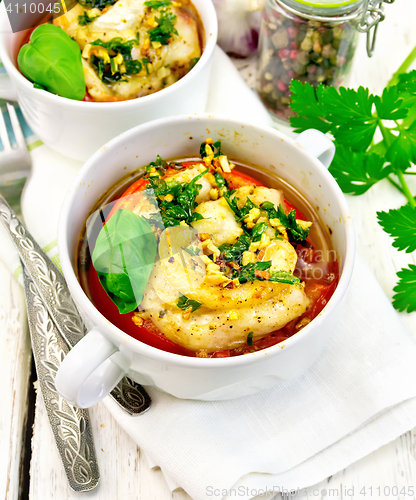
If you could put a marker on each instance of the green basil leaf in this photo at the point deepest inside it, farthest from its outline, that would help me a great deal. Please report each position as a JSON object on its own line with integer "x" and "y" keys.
{"x": 123, "y": 257}
{"x": 53, "y": 60}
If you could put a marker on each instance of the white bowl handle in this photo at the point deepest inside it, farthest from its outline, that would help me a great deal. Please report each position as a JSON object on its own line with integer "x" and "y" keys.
{"x": 7, "y": 90}
{"x": 90, "y": 370}
{"x": 318, "y": 144}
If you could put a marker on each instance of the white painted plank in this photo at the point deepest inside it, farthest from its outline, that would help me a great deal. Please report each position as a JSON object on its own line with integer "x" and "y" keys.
{"x": 15, "y": 360}
{"x": 124, "y": 471}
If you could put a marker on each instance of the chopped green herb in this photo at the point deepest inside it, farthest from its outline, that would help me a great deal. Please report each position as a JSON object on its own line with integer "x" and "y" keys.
{"x": 193, "y": 62}
{"x": 184, "y": 303}
{"x": 84, "y": 19}
{"x": 239, "y": 213}
{"x": 156, "y": 4}
{"x": 295, "y": 232}
{"x": 165, "y": 29}
{"x": 216, "y": 148}
{"x": 146, "y": 62}
{"x": 97, "y": 4}
{"x": 258, "y": 230}
{"x": 193, "y": 251}
{"x": 187, "y": 197}
{"x": 116, "y": 46}
{"x": 221, "y": 182}
{"x": 234, "y": 253}
{"x": 284, "y": 277}
{"x": 250, "y": 338}
{"x": 182, "y": 207}
{"x": 249, "y": 273}
{"x": 160, "y": 165}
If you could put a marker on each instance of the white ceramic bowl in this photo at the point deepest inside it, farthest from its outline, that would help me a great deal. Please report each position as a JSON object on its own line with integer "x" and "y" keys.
{"x": 76, "y": 128}
{"x": 186, "y": 377}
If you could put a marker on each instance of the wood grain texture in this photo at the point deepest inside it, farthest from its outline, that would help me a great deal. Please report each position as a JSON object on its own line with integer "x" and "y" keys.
{"x": 15, "y": 364}
{"x": 125, "y": 473}
{"x": 395, "y": 463}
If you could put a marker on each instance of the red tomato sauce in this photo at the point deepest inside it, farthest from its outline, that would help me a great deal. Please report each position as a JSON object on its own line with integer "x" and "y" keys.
{"x": 318, "y": 291}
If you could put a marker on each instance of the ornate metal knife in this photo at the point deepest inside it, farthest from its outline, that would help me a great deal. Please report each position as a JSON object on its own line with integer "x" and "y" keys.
{"x": 55, "y": 295}
{"x": 70, "y": 426}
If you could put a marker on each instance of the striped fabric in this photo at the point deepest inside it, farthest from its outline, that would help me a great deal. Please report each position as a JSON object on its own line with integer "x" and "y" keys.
{"x": 33, "y": 142}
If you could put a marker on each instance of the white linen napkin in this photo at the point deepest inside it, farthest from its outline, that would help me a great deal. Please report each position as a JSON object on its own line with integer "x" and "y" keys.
{"x": 359, "y": 395}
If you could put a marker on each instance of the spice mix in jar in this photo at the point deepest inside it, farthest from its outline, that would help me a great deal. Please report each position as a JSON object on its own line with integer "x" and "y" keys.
{"x": 311, "y": 41}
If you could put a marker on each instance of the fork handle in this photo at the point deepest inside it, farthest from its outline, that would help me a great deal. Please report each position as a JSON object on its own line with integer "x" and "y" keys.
{"x": 52, "y": 287}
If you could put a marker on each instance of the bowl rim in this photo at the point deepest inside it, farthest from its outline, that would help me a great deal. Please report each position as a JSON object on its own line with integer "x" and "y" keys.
{"x": 186, "y": 361}
{"x": 211, "y": 35}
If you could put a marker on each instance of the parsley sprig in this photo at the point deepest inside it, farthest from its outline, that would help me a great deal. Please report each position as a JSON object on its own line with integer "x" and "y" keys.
{"x": 375, "y": 137}
{"x": 401, "y": 225}
{"x": 405, "y": 297}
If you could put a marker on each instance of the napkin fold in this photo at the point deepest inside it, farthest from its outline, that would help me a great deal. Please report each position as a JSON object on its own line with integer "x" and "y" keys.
{"x": 357, "y": 397}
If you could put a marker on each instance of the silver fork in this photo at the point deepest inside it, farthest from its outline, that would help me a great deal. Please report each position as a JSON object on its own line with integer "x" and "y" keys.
{"x": 15, "y": 162}
{"x": 15, "y": 167}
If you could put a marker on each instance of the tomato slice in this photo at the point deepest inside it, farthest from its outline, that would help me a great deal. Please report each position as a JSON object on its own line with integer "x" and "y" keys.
{"x": 130, "y": 203}
{"x": 237, "y": 179}
{"x": 318, "y": 293}
{"x": 289, "y": 207}
{"x": 147, "y": 333}
{"x": 222, "y": 354}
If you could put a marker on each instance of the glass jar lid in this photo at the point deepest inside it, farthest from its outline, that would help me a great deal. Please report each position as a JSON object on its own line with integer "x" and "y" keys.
{"x": 329, "y": 4}
{"x": 324, "y": 8}
{"x": 371, "y": 12}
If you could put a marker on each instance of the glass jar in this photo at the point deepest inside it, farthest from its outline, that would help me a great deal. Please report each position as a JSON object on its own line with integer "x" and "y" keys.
{"x": 311, "y": 41}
